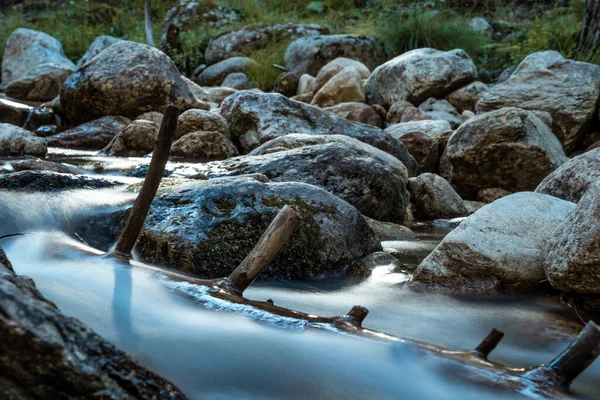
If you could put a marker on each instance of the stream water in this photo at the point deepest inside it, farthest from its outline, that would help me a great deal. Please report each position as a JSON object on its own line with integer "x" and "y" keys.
{"x": 218, "y": 351}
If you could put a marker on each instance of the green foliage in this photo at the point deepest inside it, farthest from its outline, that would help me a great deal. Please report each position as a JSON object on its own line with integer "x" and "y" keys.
{"x": 264, "y": 74}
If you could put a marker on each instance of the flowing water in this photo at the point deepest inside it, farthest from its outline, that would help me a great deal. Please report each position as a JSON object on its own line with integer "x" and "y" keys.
{"x": 214, "y": 350}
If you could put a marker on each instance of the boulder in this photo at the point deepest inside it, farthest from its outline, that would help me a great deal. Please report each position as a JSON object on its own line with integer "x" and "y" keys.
{"x": 441, "y": 110}
{"x": 434, "y": 198}
{"x": 510, "y": 149}
{"x": 26, "y": 49}
{"x": 481, "y": 26}
{"x": 94, "y": 135}
{"x": 237, "y": 80}
{"x": 411, "y": 114}
{"x": 308, "y": 55}
{"x": 489, "y": 195}
{"x": 49, "y": 181}
{"x": 41, "y": 83}
{"x": 216, "y": 73}
{"x": 371, "y": 180}
{"x": 208, "y": 227}
{"x": 573, "y": 250}
{"x": 218, "y": 94}
{"x": 421, "y": 139}
{"x": 46, "y": 354}
{"x": 338, "y": 65}
{"x": 419, "y": 74}
{"x": 396, "y": 111}
{"x": 386, "y": 231}
{"x": 125, "y": 79}
{"x": 568, "y": 90}
{"x": 15, "y": 141}
{"x": 152, "y": 116}
{"x": 286, "y": 84}
{"x": 306, "y": 84}
{"x": 200, "y": 120}
{"x": 187, "y": 15}
{"x": 249, "y": 39}
{"x": 571, "y": 180}
{"x": 15, "y": 113}
{"x": 256, "y": 118}
{"x": 30, "y": 163}
{"x": 500, "y": 248}
{"x": 466, "y": 98}
{"x": 98, "y": 45}
{"x": 135, "y": 140}
{"x": 203, "y": 146}
{"x": 357, "y": 112}
{"x": 344, "y": 87}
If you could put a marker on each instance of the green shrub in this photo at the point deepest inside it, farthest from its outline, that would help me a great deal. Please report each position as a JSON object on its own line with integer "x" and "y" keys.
{"x": 264, "y": 74}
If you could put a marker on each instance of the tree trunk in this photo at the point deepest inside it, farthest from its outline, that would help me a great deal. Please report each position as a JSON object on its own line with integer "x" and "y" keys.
{"x": 589, "y": 36}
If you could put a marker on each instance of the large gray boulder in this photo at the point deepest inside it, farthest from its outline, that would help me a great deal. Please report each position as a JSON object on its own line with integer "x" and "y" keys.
{"x": 249, "y": 39}
{"x": 573, "y": 250}
{"x": 567, "y": 89}
{"x": 510, "y": 149}
{"x": 257, "y": 118}
{"x": 98, "y": 45}
{"x": 41, "y": 83}
{"x": 500, "y": 248}
{"x": 419, "y": 74}
{"x": 208, "y": 227}
{"x": 93, "y": 135}
{"x": 126, "y": 79}
{"x": 216, "y": 73}
{"x": 308, "y": 55}
{"x": 45, "y": 354}
{"x": 26, "y": 49}
{"x": 15, "y": 141}
{"x": 434, "y": 198}
{"x": 203, "y": 146}
{"x": 572, "y": 179}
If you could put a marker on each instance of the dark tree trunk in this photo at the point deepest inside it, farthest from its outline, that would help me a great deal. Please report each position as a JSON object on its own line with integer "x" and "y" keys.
{"x": 589, "y": 36}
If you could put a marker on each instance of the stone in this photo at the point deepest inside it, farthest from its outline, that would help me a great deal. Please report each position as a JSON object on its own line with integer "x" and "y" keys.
{"x": 396, "y": 111}
{"x": 344, "y": 87}
{"x": 411, "y": 114}
{"x": 419, "y": 74}
{"x": 49, "y": 181}
{"x": 386, "y": 231}
{"x": 572, "y": 179}
{"x": 308, "y": 55}
{"x": 98, "y": 45}
{"x": 94, "y": 135}
{"x": 287, "y": 84}
{"x": 489, "y": 195}
{"x": 510, "y": 149}
{"x": 216, "y": 73}
{"x": 473, "y": 206}
{"x": 135, "y": 140}
{"x": 249, "y": 39}
{"x": 203, "y": 146}
{"x": 15, "y": 113}
{"x": 256, "y": 118}
{"x": 187, "y": 15}
{"x": 41, "y": 83}
{"x": 466, "y": 98}
{"x": 15, "y": 141}
{"x": 126, "y": 79}
{"x": 356, "y": 112}
{"x": 421, "y": 139}
{"x": 568, "y": 90}
{"x": 26, "y": 49}
{"x": 237, "y": 80}
{"x": 481, "y": 26}
{"x": 441, "y": 110}
{"x": 338, "y": 65}
{"x": 498, "y": 249}
{"x": 573, "y": 250}
{"x": 152, "y": 116}
{"x": 201, "y": 120}
{"x": 31, "y": 163}
{"x": 434, "y": 198}
{"x": 363, "y": 267}
{"x": 200, "y": 94}
{"x": 306, "y": 84}
{"x": 467, "y": 115}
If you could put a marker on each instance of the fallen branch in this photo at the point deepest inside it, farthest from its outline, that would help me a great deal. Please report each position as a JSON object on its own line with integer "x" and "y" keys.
{"x": 489, "y": 344}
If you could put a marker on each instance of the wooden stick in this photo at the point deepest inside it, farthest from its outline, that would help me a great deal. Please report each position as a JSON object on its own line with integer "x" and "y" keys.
{"x": 489, "y": 343}
{"x": 148, "y": 21}
{"x": 142, "y": 204}
{"x": 276, "y": 235}
{"x": 356, "y": 316}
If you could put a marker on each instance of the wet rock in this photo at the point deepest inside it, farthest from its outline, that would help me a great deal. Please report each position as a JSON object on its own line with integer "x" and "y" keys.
{"x": 27, "y": 49}
{"x": 152, "y": 116}
{"x": 257, "y": 118}
{"x": 203, "y": 146}
{"x": 249, "y": 39}
{"x": 441, "y": 110}
{"x": 47, "y": 130}
{"x": 364, "y": 267}
{"x": 499, "y": 248}
{"x": 216, "y": 73}
{"x": 571, "y": 180}
{"x": 200, "y": 120}
{"x": 308, "y": 55}
{"x": 188, "y": 15}
{"x": 357, "y": 112}
{"x": 306, "y": 84}
{"x": 135, "y": 140}
{"x": 41, "y": 83}
{"x": 386, "y": 231}
{"x": 396, "y": 111}
{"x": 338, "y": 65}
{"x": 15, "y": 141}
{"x": 421, "y": 139}
{"x": 237, "y": 80}
{"x": 573, "y": 250}
{"x": 12, "y": 112}
{"x": 99, "y": 44}
{"x": 94, "y": 135}
{"x": 509, "y": 149}
{"x": 419, "y": 74}
{"x": 36, "y": 164}
{"x": 489, "y": 195}
{"x": 568, "y": 90}
{"x": 434, "y": 198}
{"x": 466, "y": 98}
{"x": 71, "y": 361}
{"x": 344, "y": 87}
{"x": 125, "y": 79}
{"x": 481, "y": 26}
{"x": 371, "y": 180}
{"x": 48, "y": 181}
